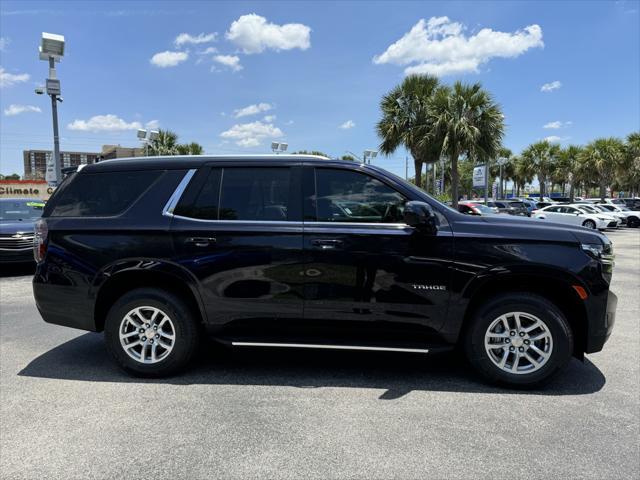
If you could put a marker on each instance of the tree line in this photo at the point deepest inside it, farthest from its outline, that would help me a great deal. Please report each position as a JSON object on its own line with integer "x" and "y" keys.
{"x": 465, "y": 125}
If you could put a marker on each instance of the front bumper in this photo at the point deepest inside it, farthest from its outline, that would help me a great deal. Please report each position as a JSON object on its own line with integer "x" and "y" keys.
{"x": 601, "y": 321}
{"x": 16, "y": 256}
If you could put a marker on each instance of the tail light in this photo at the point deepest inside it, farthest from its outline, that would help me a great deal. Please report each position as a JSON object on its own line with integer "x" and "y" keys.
{"x": 40, "y": 240}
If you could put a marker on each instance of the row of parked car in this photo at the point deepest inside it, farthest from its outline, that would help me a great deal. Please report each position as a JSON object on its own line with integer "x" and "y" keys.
{"x": 591, "y": 213}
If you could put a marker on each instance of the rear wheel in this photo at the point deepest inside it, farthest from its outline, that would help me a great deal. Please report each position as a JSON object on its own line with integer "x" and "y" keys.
{"x": 151, "y": 332}
{"x": 519, "y": 340}
{"x": 589, "y": 224}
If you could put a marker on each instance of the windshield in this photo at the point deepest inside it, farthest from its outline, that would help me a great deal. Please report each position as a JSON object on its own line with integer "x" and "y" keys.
{"x": 483, "y": 208}
{"x": 17, "y": 210}
{"x": 588, "y": 209}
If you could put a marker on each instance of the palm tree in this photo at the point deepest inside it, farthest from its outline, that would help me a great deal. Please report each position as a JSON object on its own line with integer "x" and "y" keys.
{"x": 604, "y": 157}
{"x": 629, "y": 175}
{"x": 566, "y": 169}
{"x": 523, "y": 173}
{"x": 404, "y": 121}
{"x": 541, "y": 157}
{"x": 192, "y": 148}
{"x": 166, "y": 143}
{"x": 465, "y": 120}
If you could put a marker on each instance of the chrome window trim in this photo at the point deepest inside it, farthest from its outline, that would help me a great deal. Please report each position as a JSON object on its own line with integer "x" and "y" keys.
{"x": 177, "y": 193}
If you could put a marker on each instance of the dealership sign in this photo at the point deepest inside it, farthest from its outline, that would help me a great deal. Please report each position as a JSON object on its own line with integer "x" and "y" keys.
{"x": 25, "y": 189}
{"x": 478, "y": 176}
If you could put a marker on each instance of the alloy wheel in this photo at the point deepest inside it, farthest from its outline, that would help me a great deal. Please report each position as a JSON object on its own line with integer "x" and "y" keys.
{"x": 147, "y": 334}
{"x": 518, "y": 343}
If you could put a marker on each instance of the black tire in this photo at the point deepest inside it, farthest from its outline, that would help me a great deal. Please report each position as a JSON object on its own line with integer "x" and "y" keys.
{"x": 541, "y": 308}
{"x": 184, "y": 323}
{"x": 633, "y": 222}
{"x": 589, "y": 224}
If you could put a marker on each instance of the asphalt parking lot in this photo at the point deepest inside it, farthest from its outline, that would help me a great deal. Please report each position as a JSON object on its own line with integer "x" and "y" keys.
{"x": 67, "y": 412}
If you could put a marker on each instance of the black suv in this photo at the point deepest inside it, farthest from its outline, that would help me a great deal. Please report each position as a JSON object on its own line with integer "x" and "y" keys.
{"x": 307, "y": 252}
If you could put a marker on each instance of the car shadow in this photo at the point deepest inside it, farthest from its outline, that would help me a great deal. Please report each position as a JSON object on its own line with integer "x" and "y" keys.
{"x": 17, "y": 269}
{"x": 85, "y": 359}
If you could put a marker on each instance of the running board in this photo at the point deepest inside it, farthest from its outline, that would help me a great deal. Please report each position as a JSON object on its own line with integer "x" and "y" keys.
{"x": 329, "y": 347}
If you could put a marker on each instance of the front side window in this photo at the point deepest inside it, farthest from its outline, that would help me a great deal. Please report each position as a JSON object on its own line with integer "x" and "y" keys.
{"x": 348, "y": 196}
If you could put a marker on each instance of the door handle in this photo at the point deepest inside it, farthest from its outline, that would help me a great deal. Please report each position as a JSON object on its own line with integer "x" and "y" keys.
{"x": 200, "y": 241}
{"x": 327, "y": 243}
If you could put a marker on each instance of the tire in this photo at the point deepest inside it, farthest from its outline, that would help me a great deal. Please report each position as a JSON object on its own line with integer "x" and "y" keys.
{"x": 633, "y": 222}
{"x": 589, "y": 224}
{"x": 558, "y": 344}
{"x": 171, "y": 354}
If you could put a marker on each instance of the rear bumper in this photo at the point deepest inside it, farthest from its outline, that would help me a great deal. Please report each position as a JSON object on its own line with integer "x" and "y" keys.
{"x": 601, "y": 321}
{"x": 66, "y": 305}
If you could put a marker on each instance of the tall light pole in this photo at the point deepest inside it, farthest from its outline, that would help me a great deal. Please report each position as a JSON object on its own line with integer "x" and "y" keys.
{"x": 52, "y": 50}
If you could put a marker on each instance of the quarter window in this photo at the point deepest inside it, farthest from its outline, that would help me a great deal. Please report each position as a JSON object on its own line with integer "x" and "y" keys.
{"x": 348, "y": 196}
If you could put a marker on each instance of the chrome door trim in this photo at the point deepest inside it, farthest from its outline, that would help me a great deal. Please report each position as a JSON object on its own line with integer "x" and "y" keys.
{"x": 168, "y": 209}
{"x": 330, "y": 347}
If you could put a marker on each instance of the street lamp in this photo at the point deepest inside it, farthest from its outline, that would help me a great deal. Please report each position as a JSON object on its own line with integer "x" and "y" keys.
{"x": 52, "y": 50}
{"x": 278, "y": 147}
{"x": 369, "y": 154}
{"x": 146, "y": 137}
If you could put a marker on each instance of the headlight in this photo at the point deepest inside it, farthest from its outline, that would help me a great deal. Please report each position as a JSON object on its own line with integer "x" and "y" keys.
{"x": 603, "y": 218}
{"x": 603, "y": 253}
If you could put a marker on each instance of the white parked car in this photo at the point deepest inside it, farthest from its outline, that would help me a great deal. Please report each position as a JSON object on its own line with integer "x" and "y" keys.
{"x": 593, "y": 209}
{"x": 573, "y": 216}
{"x": 631, "y": 217}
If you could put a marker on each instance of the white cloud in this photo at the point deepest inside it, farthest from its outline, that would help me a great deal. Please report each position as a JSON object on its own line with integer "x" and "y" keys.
{"x": 18, "y": 109}
{"x": 555, "y": 139}
{"x": 103, "y": 123}
{"x": 231, "y": 61}
{"x": 152, "y": 125}
{"x": 269, "y": 118}
{"x": 185, "y": 38}
{"x": 4, "y": 43}
{"x": 347, "y": 125}
{"x": 253, "y": 34}
{"x": 208, "y": 51}
{"x": 557, "y": 124}
{"x": 168, "y": 59}
{"x": 8, "y": 79}
{"x": 252, "y": 109}
{"x": 550, "y": 87}
{"x": 252, "y": 134}
{"x": 440, "y": 47}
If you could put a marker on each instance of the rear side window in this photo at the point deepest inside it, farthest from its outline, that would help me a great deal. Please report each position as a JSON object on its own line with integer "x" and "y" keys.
{"x": 241, "y": 193}
{"x": 102, "y": 194}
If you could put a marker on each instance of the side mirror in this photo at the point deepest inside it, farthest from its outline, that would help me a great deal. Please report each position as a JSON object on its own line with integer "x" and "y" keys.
{"x": 420, "y": 216}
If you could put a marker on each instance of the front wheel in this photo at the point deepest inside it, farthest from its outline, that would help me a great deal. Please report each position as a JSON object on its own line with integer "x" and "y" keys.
{"x": 633, "y": 222}
{"x": 151, "y": 333}
{"x": 589, "y": 224}
{"x": 519, "y": 340}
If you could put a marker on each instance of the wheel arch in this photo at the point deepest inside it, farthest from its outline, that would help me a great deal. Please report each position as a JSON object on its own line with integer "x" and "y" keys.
{"x": 557, "y": 289}
{"x": 128, "y": 275}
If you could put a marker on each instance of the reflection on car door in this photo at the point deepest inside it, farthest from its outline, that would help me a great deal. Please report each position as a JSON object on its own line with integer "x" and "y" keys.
{"x": 239, "y": 231}
{"x": 368, "y": 276}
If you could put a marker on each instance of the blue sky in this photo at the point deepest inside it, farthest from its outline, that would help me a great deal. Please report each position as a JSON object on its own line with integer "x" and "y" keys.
{"x": 311, "y": 73}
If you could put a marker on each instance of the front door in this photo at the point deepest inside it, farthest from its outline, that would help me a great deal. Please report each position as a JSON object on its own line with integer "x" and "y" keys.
{"x": 369, "y": 277}
{"x": 238, "y": 230}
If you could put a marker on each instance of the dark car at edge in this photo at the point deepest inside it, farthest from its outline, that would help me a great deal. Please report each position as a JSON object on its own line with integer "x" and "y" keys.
{"x": 294, "y": 251}
{"x": 17, "y": 219}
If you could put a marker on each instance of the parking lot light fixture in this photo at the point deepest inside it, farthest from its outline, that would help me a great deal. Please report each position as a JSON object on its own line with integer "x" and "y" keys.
{"x": 51, "y": 50}
{"x": 369, "y": 154}
{"x": 279, "y": 147}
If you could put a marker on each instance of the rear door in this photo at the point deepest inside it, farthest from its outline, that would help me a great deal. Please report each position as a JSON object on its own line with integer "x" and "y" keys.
{"x": 238, "y": 230}
{"x": 370, "y": 278}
